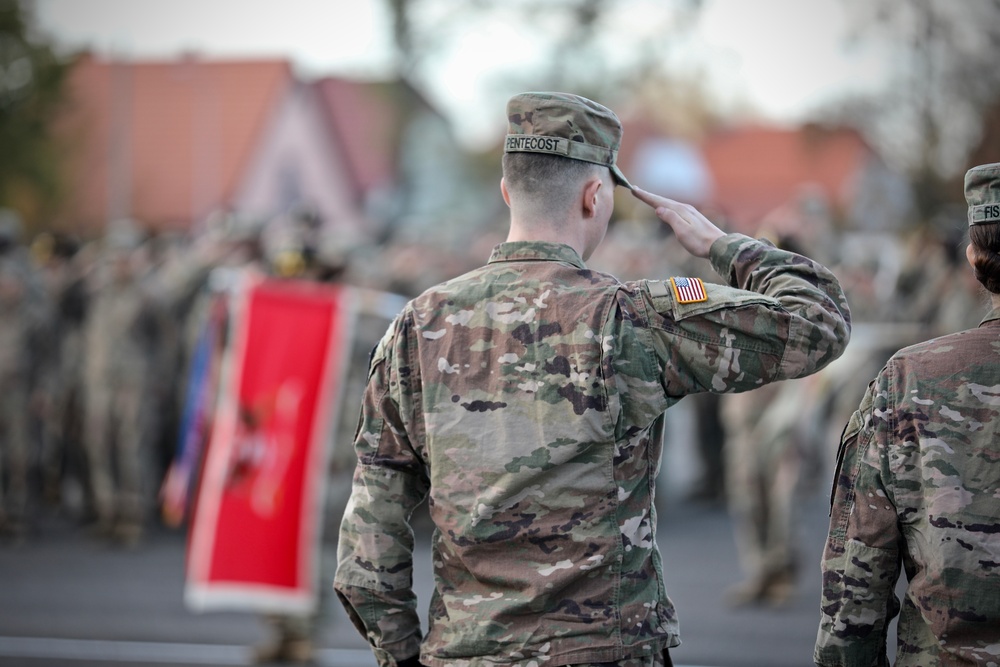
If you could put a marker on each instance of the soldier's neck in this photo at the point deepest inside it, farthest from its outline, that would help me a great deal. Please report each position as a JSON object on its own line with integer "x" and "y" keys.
{"x": 565, "y": 234}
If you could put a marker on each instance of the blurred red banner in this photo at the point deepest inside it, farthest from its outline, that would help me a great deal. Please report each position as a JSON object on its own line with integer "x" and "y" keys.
{"x": 254, "y": 542}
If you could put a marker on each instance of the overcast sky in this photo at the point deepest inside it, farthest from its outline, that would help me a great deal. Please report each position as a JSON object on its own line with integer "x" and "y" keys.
{"x": 785, "y": 56}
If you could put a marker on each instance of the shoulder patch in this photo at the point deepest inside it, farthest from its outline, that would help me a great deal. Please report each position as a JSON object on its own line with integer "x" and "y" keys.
{"x": 688, "y": 290}
{"x": 658, "y": 288}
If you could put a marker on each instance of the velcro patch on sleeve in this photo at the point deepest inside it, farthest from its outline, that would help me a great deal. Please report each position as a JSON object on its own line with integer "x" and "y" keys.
{"x": 688, "y": 290}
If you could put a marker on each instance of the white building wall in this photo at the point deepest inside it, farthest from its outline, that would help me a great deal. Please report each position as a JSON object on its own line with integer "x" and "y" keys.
{"x": 297, "y": 164}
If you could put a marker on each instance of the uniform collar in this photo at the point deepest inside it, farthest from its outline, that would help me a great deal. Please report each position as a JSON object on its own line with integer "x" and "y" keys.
{"x": 536, "y": 251}
{"x": 992, "y": 316}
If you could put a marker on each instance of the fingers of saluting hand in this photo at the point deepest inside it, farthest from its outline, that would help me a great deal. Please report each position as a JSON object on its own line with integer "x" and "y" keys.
{"x": 695, "y": 232}
{"x": 655, "y": 201}
{"x": 664, "y": 206}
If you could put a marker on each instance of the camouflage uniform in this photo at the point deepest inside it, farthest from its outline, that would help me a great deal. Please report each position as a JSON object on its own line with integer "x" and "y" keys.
{"x": 63, "y": 456}
{"x": 17, "y": 327}
{"x": 920, "y": 455}
{"x": 526, "y": 399}
{"x": 124, "y": 322}
{"x": 23, "y": 313}
{"x": 916, "y": 489}
{"x": 767, "y": 444}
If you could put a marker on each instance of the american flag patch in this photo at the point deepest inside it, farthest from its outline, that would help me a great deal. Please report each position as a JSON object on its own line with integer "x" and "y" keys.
{"x": 689, "y": 290}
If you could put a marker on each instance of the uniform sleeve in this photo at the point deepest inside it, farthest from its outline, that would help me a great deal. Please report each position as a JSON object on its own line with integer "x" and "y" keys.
{"x": 861, "y": 561}
{"x": 781, "y": 316}
{"x": 374, "y": 576}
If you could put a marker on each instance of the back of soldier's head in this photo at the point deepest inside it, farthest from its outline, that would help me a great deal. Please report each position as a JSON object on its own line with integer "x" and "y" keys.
{"x": 982, "y": 194}
{"x": 555, "y": 143}
{"x": 546, "y": 180}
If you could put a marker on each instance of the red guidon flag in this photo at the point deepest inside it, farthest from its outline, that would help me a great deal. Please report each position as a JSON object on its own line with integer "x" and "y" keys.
{"x": 254, "y": 542}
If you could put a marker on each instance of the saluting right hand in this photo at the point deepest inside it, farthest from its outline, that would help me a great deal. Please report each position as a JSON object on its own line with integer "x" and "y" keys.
{"x": 694, "y": 231}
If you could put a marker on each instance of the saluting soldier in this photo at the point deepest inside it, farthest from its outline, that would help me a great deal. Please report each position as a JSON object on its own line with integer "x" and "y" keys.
{"x": 22, "y": 322}
{"x": 124, "y": 322}
{"x": 525, "y": 400}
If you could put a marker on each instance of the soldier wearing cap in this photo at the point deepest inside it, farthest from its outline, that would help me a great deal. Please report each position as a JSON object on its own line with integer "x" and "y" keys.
{"x": 22, "y": 317}
{"x": 916, "y": 487}
{"x": 525, "y": 400}
{"x": 121, "y": 336}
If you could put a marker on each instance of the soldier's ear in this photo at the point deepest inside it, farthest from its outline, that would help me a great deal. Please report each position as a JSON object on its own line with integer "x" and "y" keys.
{"x": 503, "y": 191}
{"x": 590, "y": 195}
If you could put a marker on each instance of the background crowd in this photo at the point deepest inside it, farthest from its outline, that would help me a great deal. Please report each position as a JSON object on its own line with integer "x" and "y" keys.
{"x": 98, "y": 338}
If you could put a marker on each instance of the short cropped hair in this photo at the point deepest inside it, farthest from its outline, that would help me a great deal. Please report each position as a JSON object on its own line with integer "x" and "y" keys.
{"x": 546, "y": 182}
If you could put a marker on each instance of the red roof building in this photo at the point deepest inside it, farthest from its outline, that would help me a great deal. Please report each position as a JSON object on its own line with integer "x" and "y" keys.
{"x": 168, "y": 143}
{"x": 165, "y": 142}
{"x": 756, "y": 176}
{"x": 758, "y": 170}
{"x": 371, "y": 146}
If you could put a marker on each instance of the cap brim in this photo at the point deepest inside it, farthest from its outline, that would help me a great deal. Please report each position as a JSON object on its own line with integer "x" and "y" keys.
{"x": 620, "y": 177}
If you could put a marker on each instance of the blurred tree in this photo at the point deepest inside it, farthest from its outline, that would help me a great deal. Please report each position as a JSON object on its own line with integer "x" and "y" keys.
{"x": 31, "y": 84}
{"x": 598, "y": 48}
{"x": 616, "y": 51}
{"x": 945, "y": 89}
{"x": 988, "y": 147}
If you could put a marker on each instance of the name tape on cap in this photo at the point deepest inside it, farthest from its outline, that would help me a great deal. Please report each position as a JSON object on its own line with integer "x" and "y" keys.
{"x": 984, "y": 214}
{"x": 530, "y": 143}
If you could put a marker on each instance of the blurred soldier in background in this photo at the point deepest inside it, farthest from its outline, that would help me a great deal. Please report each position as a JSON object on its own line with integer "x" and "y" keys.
{"x": 21, "y": 323}
{"x": 200, "y": 286}
{"x": 179, "y": 276}
{"x": 230, "y": 245}
{"x": 771, "y": 438}
{"x": 120, "y": 343}
{"x": 63, "y": 456}
{"x": 14, "y": 378}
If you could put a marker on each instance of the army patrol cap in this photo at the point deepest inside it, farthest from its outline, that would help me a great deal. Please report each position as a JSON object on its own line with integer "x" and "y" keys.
{"x": 982, "y": 194}
{"x": 566, "y": 125}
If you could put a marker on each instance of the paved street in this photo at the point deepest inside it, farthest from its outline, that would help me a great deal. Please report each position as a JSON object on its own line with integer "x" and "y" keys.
{"x": 68, "y": 600}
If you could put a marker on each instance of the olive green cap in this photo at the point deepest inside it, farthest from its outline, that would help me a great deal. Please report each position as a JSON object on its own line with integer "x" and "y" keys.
{"x": 982, "y": 194}
{"x": 566, "y": 125}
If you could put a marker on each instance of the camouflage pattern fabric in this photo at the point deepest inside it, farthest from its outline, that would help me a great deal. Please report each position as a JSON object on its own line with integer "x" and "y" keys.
{"x": 566, "y": 125}
{"x": 17, "y": 327}
{"x": 525, "y": 399}
{"x": 120, "y": 341}
{"x": 916, "y": 485}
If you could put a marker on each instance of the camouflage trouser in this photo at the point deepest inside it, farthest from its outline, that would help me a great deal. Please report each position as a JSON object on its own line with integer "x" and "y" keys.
{"x": 61, "y": 446}
{"x": 113, "y": 439}
{"x": 762, "y": 481}
{"x": 13, "y": 453}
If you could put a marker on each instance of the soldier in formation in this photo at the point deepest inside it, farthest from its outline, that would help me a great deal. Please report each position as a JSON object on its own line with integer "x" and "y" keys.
{"x": 132, "y": 344}
{"x": 22, "y": 319}
{"x": 120, "y": 340}
{"x": 916, "y": 488}
{"x": 63, "y": 468}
